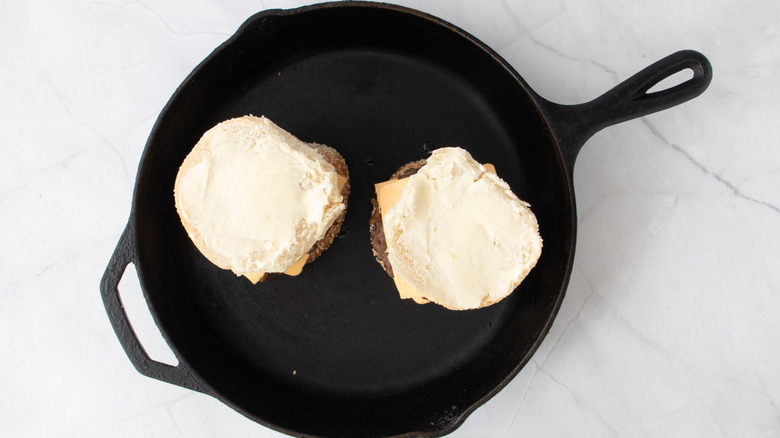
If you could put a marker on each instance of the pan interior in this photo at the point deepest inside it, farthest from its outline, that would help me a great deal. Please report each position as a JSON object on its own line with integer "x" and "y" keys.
{"x": 335, "y": 350}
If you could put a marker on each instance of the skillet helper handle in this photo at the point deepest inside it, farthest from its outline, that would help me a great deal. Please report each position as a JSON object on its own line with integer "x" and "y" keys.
{"x": 124, "y": 254}
{"x": 630, "y": 99}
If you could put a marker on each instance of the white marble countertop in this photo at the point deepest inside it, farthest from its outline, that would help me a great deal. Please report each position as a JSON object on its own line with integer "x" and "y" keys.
{"x": 670, "y": 324}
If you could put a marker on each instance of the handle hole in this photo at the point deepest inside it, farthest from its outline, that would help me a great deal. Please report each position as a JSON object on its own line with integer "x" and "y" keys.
{"x": 672, "y": 81}
{"x": 141, "y": 320}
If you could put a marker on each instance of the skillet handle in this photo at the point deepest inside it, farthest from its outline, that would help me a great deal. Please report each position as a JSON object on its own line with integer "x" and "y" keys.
{"x": 124, "y": 254}
{"x": 575, "y": 124}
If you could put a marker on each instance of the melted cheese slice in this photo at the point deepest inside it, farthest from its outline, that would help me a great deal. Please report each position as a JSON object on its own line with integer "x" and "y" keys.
{"x": 255, "y": 276}
{"x": 296, "y": 268}
{"x": 387, "y": 195}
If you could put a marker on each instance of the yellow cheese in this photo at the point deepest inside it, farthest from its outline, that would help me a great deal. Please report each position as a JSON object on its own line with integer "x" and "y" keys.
{"x": 297, "y": 267}
{"x": 406, "y": 290}
{"x": 254, "y": 277}
{"x": 387, "y": 195}
{"x": 294, "y": 270}
{"x": 389, "y": 192}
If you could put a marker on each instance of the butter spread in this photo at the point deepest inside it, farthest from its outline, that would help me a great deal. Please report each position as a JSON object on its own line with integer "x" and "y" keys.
{"x": 457, "y": 235}
{"x": 296, "y": 268}
{"x": 256, "y": 196}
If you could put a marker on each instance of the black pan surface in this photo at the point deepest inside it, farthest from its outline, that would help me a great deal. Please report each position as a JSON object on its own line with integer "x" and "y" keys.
{"x": 334, "y": 351}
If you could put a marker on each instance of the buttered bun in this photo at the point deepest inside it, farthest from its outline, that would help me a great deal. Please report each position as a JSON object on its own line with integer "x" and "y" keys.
{"x": 453, "y": 232}
{"x": 254, "y": 199}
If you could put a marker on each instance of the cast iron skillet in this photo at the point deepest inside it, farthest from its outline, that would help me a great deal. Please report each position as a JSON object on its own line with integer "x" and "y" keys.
{"x": 335, "y": 352}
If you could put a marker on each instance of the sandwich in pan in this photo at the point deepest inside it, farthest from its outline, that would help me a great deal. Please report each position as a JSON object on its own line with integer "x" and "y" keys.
{"x": 256, "y": 200}
{"x": 448, "y": 230}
